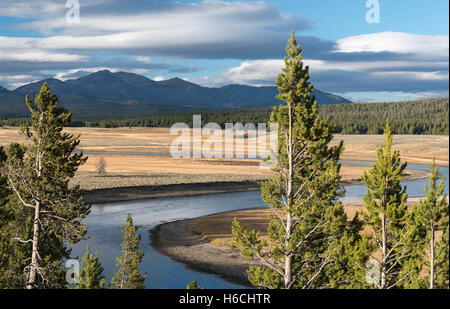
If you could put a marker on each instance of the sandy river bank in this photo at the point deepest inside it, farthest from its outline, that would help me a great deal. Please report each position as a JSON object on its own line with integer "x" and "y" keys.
{"x": 203, "y": 244}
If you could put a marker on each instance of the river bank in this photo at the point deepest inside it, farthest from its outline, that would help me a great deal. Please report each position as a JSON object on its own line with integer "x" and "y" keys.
{"x": 126, "y": 191}
{"x": 203, "y": 244}
{"x": 177, "y": 241}
{"x": 121, "y": 194}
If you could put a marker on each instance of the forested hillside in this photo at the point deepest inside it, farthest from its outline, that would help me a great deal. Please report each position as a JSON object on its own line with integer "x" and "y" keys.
{"x": 410, "y": 117}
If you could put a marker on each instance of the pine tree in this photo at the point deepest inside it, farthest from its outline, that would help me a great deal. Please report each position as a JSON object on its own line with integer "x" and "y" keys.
{"x": 91, "y": 272}
{"x": 442, "y": 258}
{"x": 432, "y": 215}
{"x": 12, "y": 256}
{"x": 307, "y": 226}
{"x": 194, "y": 286}
{"x": 9, "y": 273}
{"x": 387, "y": 215}
{"x": 129, "y": 276}
{"x": 48, "y": 212}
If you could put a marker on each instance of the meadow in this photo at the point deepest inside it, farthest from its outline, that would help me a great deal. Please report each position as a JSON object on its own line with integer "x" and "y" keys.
{"x": 140, "y": 157}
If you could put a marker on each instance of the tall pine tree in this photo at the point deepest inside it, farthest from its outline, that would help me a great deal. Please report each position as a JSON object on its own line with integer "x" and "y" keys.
{"x": 129, "y": 276}
{"x": 432, "y": 215}
{"x": 13, "y": 256}
{"x": 91, "y": 272}
{"x": 10, "y": 270}
{"x": 308, "y": 228}
{"x": 387, "y": 215}
{"x": 49, "y": 210}
{"x": 194, "y": 286}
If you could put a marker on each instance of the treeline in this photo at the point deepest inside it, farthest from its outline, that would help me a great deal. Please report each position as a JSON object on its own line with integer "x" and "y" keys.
{"x": 410, "y": 117}
{"x": 429, "y": 116}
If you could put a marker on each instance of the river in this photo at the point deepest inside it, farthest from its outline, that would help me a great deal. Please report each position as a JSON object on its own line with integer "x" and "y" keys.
{"x": 105, "y": 236}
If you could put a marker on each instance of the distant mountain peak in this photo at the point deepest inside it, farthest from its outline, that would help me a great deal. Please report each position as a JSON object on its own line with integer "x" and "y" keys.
{"x": 103, "y": 94}
{"x": 176, "y": 81}
{"x": 102, "y": 72}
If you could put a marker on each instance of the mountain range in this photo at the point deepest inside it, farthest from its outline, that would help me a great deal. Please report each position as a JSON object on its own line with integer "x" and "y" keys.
{"x": 104, "y": 94}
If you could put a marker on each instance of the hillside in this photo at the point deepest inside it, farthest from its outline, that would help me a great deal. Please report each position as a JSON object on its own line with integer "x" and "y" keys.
{"x": 125, "y": 95}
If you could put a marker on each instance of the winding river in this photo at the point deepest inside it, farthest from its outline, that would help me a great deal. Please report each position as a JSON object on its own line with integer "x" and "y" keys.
{"x": 105, "y": 236}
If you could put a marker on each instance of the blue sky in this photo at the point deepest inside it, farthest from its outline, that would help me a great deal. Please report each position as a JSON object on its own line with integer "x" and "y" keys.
{"x": 215, "y": 43}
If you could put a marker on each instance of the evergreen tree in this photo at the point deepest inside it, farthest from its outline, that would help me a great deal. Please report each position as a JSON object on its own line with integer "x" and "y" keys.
{"x": 432, "y": 216}
{"x": 442, "y": 258}
{"x": 48, "y": 212}
{"x": 387, "y": 215}
{"x": 194, "y": 286}
{"x": 12, "y": 256}
{"x": 129, "y": 276}
{"x": 308, "y": 228}
{"x": 8, "y": 273}
{"x": 91, "y": 272}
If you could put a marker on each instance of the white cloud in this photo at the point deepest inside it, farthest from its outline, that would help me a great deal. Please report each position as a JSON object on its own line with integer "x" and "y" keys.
{"x": 12, "y": 81}
{"x": 159, "y": 78}
{"x": 256, "y": 73}
{"x": 414, "y": 75}
{"x": 143, "y": 59}
{"x": 396, "y": 42}
{"x": 206, "y": 29}
{"x": 264, "y": 72}
{"x": 24, "y": 49}
{"x": 15, "y": 77}
{"x": 205, "y": 16}
{"x": 40, "y": 56}
{"x": 25, "y": 8}
{"x": 210, "y": 29}
{"x": 326, "y": 65}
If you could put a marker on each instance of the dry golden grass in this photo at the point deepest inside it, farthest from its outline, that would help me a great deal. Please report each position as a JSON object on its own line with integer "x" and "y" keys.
{"x": 126, "y": 171}
{"x": 141, "y": 170}
{"x": 417, "y": 148}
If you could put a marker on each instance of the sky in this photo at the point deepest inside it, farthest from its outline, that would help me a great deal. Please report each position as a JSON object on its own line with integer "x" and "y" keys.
{"x": 365, "y": 50}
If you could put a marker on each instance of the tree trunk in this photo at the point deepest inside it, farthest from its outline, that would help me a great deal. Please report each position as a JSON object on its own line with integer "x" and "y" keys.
{"x": 432, "y": 257}
{"x": 383, "y": 202}
{"x": 288, "y": 261}
{"x": 288, "y": 257}
{"x": 34, "y": 267}
{"x": 35, "y": 252}
{"x": 383, "y": 251}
